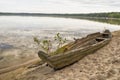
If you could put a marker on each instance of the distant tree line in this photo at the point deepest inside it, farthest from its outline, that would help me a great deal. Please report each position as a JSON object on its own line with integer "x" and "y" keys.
{"x": 99, "y": 15}
{"x": 106, "y": 15}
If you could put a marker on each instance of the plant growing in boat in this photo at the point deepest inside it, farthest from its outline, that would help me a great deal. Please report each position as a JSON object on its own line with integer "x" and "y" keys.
{"x": 60, "y": 40}
{"x": 46, "y": 45}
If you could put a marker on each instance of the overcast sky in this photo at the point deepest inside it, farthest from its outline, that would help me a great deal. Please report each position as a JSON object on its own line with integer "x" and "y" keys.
{"x": 60, "y": 6}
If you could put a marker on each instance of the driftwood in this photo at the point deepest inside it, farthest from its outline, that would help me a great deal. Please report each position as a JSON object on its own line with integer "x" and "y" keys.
{"x": 77, "y": 50}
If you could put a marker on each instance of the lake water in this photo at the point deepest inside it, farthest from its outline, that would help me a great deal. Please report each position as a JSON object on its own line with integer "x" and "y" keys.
{"x": 27, "y": 25}
{"x": 16, "y": 34}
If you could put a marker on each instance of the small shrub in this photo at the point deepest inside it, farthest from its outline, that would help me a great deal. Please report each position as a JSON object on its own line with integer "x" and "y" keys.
{"x": 46, "y": 45}
{"x": 60, "y": 40}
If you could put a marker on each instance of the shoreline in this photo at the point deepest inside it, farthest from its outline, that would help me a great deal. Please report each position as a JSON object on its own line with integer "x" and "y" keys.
{"x": 98, "y": 62}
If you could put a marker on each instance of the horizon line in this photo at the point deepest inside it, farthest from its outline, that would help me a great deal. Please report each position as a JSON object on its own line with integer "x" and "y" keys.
{"x": 57, "y": 13}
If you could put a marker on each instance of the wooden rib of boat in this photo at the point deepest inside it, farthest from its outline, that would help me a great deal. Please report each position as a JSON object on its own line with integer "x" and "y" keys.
{"x": 76, "y": 50}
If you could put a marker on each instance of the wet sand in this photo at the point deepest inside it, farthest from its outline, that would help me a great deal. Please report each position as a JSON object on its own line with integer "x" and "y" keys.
{"x": 102, "y": 65}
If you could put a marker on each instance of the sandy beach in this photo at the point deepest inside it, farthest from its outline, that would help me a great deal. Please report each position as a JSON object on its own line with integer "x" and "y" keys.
{"x": 102, "y": 65}
{"x": 59, "y": 40}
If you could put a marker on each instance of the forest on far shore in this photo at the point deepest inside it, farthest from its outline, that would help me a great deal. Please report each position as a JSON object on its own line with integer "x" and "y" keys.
{"x": 106, "y": 15}
{"x": 98, "y": 15}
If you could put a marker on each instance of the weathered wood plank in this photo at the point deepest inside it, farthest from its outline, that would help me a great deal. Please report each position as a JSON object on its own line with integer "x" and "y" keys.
{"x": 77, "y": 50}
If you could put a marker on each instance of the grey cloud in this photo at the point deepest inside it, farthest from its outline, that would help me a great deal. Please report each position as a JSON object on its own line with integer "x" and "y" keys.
{"x": 62, "y": 6}
{"x": 100, "y": 2}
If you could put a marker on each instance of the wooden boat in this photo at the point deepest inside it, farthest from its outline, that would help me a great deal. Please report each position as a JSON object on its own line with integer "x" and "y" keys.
{"x": 76, "y": 50}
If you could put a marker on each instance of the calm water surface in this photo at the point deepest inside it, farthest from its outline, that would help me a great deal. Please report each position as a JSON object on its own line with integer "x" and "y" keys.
{"x": 16, "y": 34}
{"x": 17, "y": 24}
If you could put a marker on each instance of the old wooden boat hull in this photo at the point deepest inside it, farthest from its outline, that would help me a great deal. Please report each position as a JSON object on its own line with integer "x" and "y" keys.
{"x": 75, "y": 54}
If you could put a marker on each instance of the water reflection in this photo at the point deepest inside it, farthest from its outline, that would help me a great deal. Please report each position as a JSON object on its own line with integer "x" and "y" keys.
{"x": 109, "y": 21}
{"x": 19, "y": 31}
{"x": 5, "y": 46}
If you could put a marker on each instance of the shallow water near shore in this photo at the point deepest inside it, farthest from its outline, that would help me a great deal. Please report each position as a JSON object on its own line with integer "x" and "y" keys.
{"x": 16, "y": 33}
